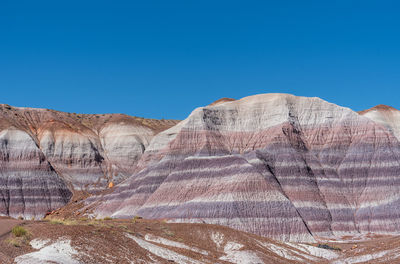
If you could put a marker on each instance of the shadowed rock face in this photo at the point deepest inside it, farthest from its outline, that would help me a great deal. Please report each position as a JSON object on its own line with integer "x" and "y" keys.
{"x": 277, "y": 165}
{"x": 46, "y": 155}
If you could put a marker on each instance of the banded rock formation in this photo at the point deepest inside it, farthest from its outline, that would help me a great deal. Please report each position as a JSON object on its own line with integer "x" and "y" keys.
{"x": 287, "y": 167}
{"x": 386, "y": 116}
{"x": 46, "y": 155}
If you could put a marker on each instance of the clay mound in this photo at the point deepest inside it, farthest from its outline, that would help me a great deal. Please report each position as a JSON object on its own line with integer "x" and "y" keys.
{"x": 277, "y": 165}
{"x": 47, "y": 155}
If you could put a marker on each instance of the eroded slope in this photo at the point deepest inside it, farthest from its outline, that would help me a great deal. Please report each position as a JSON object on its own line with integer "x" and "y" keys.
{"x": 47, "y": 155}
{"x": 282, "y": 166}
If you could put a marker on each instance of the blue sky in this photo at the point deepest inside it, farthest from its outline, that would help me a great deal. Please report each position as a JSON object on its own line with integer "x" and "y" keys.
{"x": 161, "y": 59}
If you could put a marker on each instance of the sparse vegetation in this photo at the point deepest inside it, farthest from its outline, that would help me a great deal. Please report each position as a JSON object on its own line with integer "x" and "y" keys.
{"x": 167, "y": 232}
{"x": 63, "y": 222}
{"x": 19, "y": 231}
{"x": 56, "y": 222}
{"x": 107, "y": 218}
{"x": 123, "y": 227}
{"x": 14, "y": 242}
{"x": 136, "y": 218}
{"x": 20, "y": 236}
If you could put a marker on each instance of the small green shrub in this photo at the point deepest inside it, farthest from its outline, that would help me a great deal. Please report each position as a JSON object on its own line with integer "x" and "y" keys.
{"x": 19, "y": 231}
{"x": 107, "y": 218}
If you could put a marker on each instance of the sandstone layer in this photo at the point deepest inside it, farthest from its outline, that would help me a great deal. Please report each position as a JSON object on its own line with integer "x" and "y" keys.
{"x": 47, "y": 155}
{"x": 277, "y": 165}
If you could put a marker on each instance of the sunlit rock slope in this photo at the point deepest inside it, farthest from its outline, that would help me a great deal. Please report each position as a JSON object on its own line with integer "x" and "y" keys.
{"x": 287, "y": 167}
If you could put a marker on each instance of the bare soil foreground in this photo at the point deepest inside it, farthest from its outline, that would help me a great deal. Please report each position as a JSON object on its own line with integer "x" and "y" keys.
{"x": 6, "y": 224}
{"x": 146, "y": 241}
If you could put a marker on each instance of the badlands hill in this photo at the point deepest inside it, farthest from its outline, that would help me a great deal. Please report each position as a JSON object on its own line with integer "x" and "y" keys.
{"x": 46, "y": 155}
{"x": 276, "y": 165}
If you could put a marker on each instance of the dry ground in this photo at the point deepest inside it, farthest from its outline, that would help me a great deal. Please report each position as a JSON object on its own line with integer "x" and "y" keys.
{"x": 148, "y": 241}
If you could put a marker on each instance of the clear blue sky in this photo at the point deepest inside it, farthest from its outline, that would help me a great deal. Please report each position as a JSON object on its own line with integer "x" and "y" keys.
{"x": 161, "y": 59}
